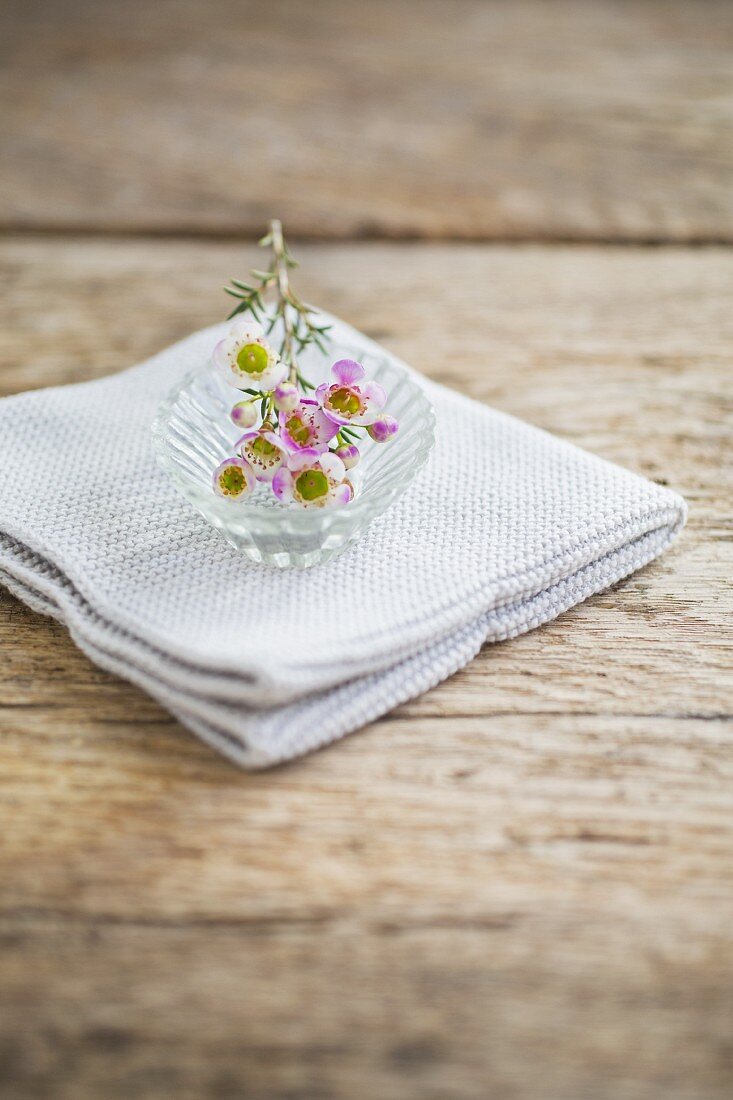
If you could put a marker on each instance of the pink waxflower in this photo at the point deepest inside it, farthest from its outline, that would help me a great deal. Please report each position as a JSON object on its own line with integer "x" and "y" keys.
{"x": 264, "y": 452}
{"x": 307, "y": 426}
{"x": 234, "y": 479}
{"x": 383, "y": 428}
{"x": 347, "y": 400}
{"x": 246, "y": 360}
{"x": 313, "y": 480}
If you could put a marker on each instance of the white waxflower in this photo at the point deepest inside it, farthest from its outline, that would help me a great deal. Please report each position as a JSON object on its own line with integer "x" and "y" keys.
{"x": 246, "y": 359}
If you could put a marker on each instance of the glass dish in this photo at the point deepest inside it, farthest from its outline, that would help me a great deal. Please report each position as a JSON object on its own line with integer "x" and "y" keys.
{"x": 193, "y": 433}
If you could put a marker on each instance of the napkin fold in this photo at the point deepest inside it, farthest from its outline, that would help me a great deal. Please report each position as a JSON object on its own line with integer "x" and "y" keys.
{"x": 502, "y": 530}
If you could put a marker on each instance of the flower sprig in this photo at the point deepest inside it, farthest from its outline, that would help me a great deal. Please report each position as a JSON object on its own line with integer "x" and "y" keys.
{"x": 299, "y": 329}
{"x": 300, "y": 439}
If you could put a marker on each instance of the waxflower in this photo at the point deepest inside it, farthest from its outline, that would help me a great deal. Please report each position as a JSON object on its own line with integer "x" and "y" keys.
{"x": 383, "y": 428}
{"x": 307, "y": 426}
{"x": 234, "y": 479}
{"x": 313, "y": 480}
{"x": 263, "y": 450}
{"x": 347, "y": 400}
{"x": 246, "y": 359}
{"x": 349, "y": 454}
{"x": 303, "y": 446}
{"x": 245, "y": 414}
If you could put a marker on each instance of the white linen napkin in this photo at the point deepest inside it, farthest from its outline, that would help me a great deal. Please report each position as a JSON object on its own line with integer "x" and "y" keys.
{"x": 504, "y": 528}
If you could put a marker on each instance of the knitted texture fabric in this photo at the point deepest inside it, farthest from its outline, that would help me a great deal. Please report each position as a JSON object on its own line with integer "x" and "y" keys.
{"x": 503, "y": 529}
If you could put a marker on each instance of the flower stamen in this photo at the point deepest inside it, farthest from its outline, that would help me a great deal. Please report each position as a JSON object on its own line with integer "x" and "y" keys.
{"x": 312, "y": 484}
{"x": 299, "y": 431}
{"x": 252, "y": 358}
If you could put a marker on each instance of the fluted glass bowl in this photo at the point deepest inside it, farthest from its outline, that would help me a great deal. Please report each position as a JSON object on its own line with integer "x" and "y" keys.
{"x": 193, "y": 433}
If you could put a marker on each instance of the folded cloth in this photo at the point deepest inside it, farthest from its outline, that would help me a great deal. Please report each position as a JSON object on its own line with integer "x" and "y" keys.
{"x": 503, "y": 529}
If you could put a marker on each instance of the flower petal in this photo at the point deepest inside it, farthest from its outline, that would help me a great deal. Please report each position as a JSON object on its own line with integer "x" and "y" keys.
{"x": 274, "y": 438}
{"x": 245, "y": 438}
{"x": 271, "y": 376}
{"x": 282, "y": 484}
{"x": 325, "y": 429}
{"x": 337, "y": 418}
{"x": 219, "y": 354}
{"x": 247, "y": 328}
{"x": 333, "y": 466}
{"x": 307, "y": 456}
{"x": 374, "y": 394}
{"x": 347, "y": 371}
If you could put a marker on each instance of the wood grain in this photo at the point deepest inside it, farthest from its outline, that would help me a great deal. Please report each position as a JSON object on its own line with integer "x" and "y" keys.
{"x": 578, "y": 119}
{"x": 517, "y": 886}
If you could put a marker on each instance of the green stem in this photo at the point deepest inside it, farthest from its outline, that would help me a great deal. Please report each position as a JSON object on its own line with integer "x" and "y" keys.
{"x": 299, "y": 329}
{"x": 284, "y": 296}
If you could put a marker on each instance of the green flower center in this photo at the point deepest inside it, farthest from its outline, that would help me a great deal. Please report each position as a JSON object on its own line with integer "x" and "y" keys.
{"x": 232, "y": 480}
{"x": 252, "y": 358}
{"x": 298, "y": 431}
{"x": 263, "y": 447}
{"x": 312, "y": 484}
{"x": 345, "y": 401}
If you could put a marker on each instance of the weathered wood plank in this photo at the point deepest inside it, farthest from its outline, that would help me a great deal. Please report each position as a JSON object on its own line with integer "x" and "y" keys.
{"x": 468, "y": 119}
{"x": 519, "y": 885}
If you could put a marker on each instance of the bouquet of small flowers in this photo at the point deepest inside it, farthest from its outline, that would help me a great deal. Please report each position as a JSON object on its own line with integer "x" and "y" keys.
{"x": 299, "y": 439}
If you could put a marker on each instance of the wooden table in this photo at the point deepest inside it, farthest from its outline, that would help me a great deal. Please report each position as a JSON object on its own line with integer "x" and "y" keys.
{"x": 519, "y": 886}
